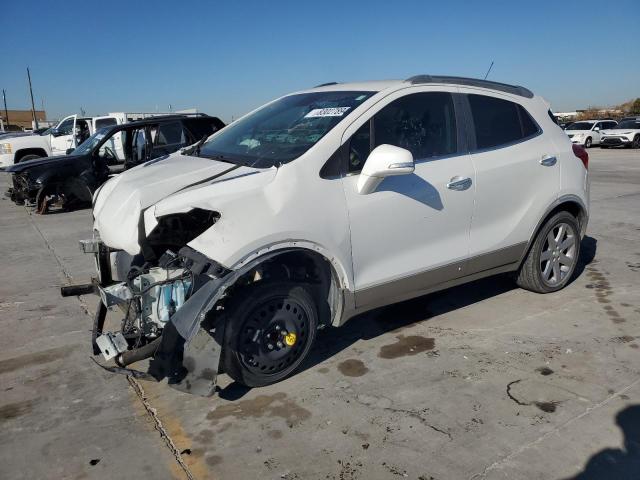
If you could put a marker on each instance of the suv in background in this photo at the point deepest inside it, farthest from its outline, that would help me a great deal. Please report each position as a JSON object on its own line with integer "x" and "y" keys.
{"x": 624, "y": 134}
{"x": 65, "y": 181}
{"x": 323, "y": 204}
{"x": 587, "y": 132}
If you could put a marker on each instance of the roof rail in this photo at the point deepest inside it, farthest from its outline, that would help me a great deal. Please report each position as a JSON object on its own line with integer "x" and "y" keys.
{"x": 326, "y": 84}
{"x": 472, "y": 82}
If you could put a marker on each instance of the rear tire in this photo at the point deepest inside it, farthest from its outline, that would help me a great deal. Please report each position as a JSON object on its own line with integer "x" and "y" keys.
{"x": 270, "y": 329}
{"x": 552, "y": 259}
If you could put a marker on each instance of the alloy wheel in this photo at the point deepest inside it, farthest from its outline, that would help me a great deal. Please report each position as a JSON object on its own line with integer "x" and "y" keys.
{"x": 558, "y": 255}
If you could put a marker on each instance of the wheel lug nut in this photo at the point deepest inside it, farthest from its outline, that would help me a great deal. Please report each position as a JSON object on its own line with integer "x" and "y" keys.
{"x": 279, "y": 344}
{"x": 277, "y": 327}
{"x": 270, "y": 346}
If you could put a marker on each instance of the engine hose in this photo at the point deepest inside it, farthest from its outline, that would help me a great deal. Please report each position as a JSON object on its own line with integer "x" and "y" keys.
{"x": 132, "y": 356}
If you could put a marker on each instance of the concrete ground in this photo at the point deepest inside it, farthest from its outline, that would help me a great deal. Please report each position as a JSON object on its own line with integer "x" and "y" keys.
{"x": 483, "y": 381}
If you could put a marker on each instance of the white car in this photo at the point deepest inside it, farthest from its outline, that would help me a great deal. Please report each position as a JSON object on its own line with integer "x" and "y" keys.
{"x": 626, "y": 133}
{"x": 323, "y": 204}
{"x": 588, "y": 132}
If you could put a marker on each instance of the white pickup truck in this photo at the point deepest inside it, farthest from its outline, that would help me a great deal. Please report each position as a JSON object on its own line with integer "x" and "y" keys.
{"x": 70, "y": 132}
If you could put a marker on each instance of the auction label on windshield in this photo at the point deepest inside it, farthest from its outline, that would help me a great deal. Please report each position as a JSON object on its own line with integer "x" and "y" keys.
{"x": 327, "y": 112}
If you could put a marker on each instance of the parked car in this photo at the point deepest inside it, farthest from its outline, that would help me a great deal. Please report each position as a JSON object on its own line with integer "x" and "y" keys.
{"x": 624, "y": 134}
{"x": 323, "y": 204}
{"x": 70, "y": 180}
{"x": 587, "y": 132}
{"x": 70, "y": 132}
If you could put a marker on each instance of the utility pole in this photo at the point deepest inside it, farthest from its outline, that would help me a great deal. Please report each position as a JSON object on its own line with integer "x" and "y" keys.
{"x": 6, "y": 113}
{"x": 33, "y": 107}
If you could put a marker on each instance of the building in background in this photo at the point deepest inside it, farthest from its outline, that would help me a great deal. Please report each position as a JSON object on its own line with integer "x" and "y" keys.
{"x": 21, "y": 119}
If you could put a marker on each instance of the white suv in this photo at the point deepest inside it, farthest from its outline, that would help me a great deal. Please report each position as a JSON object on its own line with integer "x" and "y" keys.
{"x": 229, "y": 255}
{"x": 588, "y": 132}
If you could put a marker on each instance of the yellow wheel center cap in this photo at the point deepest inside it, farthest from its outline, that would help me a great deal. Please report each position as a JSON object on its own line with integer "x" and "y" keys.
{"x": 290, "y": 339}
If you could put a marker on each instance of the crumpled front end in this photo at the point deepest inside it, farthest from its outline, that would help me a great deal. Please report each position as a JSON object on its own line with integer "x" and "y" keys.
{"x": 23, "y": 189}
{"x": 167, "y": 312}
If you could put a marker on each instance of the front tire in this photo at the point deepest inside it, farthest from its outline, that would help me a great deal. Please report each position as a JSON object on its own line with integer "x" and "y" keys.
{"x": 270, "y": 329}
{"x": 552, "y": 259}
{"x": 588, "y": 142}
{"x": 636, "y": 142}
{"x": 28, "y": 157}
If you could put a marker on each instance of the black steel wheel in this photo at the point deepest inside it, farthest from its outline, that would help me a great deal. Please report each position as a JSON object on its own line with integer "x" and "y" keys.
{"x": 269, "y": 332}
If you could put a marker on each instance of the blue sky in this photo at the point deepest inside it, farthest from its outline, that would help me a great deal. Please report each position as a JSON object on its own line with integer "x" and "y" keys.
{"x": 228, "y": 57}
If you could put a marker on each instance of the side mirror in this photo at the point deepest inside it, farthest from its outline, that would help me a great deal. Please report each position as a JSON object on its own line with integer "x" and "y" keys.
{"x": 54, "y": 132}
{"x": 597, "y": 129}
{"x": 384, "y": 161}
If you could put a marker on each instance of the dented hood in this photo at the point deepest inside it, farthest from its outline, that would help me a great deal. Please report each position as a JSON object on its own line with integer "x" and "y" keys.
{"x": 120, "y": 202}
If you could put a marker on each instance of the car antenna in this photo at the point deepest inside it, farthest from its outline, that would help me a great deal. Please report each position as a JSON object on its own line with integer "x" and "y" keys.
{"x": 490, "y": 67}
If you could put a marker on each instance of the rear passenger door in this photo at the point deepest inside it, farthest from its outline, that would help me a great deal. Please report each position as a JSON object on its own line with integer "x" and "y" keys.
{"x": 517, "y": 178}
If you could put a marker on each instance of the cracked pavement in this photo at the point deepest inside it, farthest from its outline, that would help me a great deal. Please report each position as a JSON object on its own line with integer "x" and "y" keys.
{"x": 483, "y": 381}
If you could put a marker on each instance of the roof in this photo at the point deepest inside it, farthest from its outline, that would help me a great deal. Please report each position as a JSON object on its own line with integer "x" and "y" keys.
{"x": 428, "y": 79}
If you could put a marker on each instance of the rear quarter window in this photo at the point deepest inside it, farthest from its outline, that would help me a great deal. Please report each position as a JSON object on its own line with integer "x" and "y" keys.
{"x": 498, "y": 122}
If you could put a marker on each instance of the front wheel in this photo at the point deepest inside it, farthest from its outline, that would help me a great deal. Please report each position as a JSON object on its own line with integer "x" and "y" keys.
{"x": 636, "y": 142}
{"x": 587, "y": 143}
{"x": 552, "y": 259}
{"x": 270, "y": 328}
{"x": 26, "y": 158}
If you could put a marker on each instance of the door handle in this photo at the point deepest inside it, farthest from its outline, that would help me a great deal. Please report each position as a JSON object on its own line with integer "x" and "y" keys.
{"x": 548, "y": 161}
{"x": 459, "y": 183}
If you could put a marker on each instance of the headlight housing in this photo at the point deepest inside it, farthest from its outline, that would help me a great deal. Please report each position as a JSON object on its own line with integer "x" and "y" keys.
{"x": 5, "y": 148}
{"x": 175, "y": 230}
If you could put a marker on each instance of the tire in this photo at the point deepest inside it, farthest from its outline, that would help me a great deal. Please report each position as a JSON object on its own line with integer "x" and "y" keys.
{"x": 28, "y": 157}
{"x": 588, "y": 142}
{"x": 542, "y": 275}
{"x": 636, "y": 142}
{"x": 255, "y": 351}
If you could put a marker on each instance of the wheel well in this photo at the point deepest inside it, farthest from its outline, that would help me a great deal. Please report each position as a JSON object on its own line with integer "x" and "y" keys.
{"x": 305, "y": 267}
{"x": 29, "y": 151}
{"x": 573, "y": 207}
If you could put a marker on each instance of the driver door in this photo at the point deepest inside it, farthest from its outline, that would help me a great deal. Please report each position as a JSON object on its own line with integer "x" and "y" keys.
{"x": 412, "y": 232}
{"x": 64, "y": 137}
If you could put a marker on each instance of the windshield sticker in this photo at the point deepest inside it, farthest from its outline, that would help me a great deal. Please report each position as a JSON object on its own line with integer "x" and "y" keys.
{"x": 327, "y": 112}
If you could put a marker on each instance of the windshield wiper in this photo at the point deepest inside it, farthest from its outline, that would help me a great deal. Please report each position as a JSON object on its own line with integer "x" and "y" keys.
{"x": 194, "y": 149}
{"x": 220, "y": 158}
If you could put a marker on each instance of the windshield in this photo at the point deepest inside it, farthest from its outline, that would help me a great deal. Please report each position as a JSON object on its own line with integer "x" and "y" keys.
{"x": 283, "y": 130}
{"x": 580, "y": 126}
{"x": 90, "y": 143}
{"x": 628, "y": 124}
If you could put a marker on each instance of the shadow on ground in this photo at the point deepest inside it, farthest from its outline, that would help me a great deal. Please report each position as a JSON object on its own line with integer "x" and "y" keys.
{"x": 395, "y": 317}
{"x": 618, "y": 463}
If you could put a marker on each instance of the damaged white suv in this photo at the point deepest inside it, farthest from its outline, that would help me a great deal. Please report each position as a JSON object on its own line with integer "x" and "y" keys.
{"x": 229, "y": 255}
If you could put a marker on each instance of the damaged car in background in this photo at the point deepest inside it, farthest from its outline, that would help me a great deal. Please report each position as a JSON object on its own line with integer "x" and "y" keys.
{"x": 229, "y": 255}
{"x": 66, "y": 182}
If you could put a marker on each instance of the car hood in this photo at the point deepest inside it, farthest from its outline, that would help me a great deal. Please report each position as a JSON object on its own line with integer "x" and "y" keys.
{"x": 38, "y": 162}
{"x": 577, "y": 132}
{"x": 120, "y": 203}
{"x": 620, "y": 131}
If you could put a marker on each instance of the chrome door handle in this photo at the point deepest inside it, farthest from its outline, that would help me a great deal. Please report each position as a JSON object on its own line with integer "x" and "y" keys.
{"x": 459, "y": 183}
{"x": 548, "y": 161}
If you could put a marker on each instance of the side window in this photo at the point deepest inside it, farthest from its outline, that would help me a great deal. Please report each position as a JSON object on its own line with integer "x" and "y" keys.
{"x": 359, "y": 148}
{"x": 499, "y": 122}
{"x": 529, "y": 126}
{"x": 423, "y": 123}
{"x": 610, "y": 125}
{"x": 169, "y": 134}
{"x": 105, "y": 122}
{"x": 66, "y": 127}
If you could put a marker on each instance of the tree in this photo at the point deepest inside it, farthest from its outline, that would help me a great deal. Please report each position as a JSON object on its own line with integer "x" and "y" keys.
{"x": 635, "y": 107}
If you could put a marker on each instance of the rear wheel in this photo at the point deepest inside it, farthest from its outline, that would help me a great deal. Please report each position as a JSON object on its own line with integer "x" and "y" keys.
{"x": 552, "y": 259}
{"x": 269, "y": 332}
